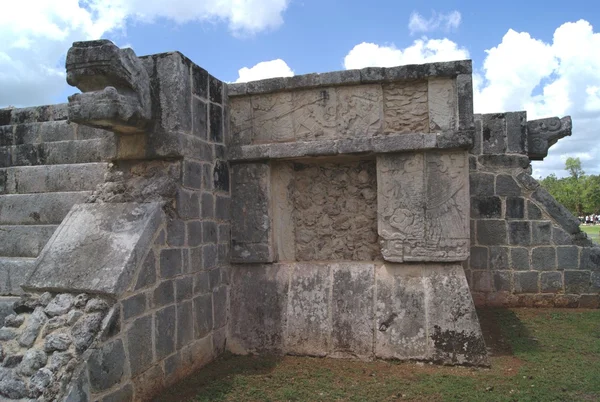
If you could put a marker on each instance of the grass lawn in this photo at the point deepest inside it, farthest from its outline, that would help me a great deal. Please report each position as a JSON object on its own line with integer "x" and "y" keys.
{"x": 593, "y": 232}
{"x": 537, "y": 355}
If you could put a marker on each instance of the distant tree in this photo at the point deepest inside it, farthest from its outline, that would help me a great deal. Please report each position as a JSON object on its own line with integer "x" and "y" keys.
{"x": 573, "y": 166}
{"x": 591, "y": 194}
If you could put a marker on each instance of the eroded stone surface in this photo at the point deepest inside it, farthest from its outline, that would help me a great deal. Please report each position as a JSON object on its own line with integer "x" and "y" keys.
{"x": 406, "y": 107}
{"x": 97, "y": 248}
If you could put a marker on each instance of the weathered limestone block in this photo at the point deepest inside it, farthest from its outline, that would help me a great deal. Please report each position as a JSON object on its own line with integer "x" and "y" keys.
{"x": 406, "y": 107}
{"x": 543, "y": 133}
{"x": 272, "y": 118}
{"x": 359, "y": 111}
{"x": 97, "y": 248}
{"x": 422, "y": 203}
{"x": 114, "y": 84}
{"x": 259, "y": 295}
{"x": 334, "y": 213}
{"x": 443, "y": 108}
{"x": 314, "y": 114}
{"x": 308, "y": 310}
{"x": 425, "y": 312}
{"x": 251, "y": 237}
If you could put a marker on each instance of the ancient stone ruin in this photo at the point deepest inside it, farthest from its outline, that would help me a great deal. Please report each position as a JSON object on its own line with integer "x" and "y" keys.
{"x": 163, "y": 217}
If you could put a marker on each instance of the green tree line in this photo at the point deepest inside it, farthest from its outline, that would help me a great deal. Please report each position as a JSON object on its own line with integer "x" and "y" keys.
{"x": 579, "y": 192}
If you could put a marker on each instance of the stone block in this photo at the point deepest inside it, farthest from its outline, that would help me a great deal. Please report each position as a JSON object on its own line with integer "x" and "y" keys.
{"x": 183, "y": 288}
{"x": 486, "y": 207}
{"x": 504, "y": 161}
{"x": 519, "y": 258}
{"x": 185, "y": 324}
{"x": 209, "y": 232}
{"x": 223, "y": 208}
{"x": 250, "y": 209}
{"x": 134, "y": 306}
{"x": 258, "y": 330}
{"x": 551, "y": 282}
{"x": 543, "y": 258}
{"x": 209, "y": 256}
{"x": 503, "y": 281}
{"x": 165, "y": 324}
{"x": 215, "y": 88}
{"x": 199, "y": 118}
{"x": 533, "y": 212}
{"x": 557, "y": 211}
{"x": 491, "y": 232}
{"x": 309, "y": 326}
{"x": 515, "y": 208}
{"x": 482, "y": 281}
{"x": 147, "y": 274}
{"x": 241, "y": 121}
{"x": 479, "y": 257}
{"x": 220, "y": 307}
{"x": 199, "y": 81}
{"x": 400, "y": 313}
{"x": 519, "y": 233}
{"x": 516, "y": 132}
{"x": 175, "y": 233}
{"x": 494, "y": 133}
{"x": 594, "y": 283}
{"x": 106, "y": 366}
{"x": 203, "y": 315}
{"x": 188, "y": 204}
{"x": 163, "y": 294}
{"x": 589, "y": 301}
{"x": 560, "y": 237}
{"x": 175, "y": 98}
{"x": 194, "y": 233}
{"x": 499, "y": 258}
{"x": 507, "y": 186}
{"x": 481, "y": 184}
{"x": 454, "y": 338}
{"x": 24, "y": 240}
{"x": 359, "y": 110}
{"x": 112, "y": 236}
{"x": 541, "y": 232}
{"x": 171, "y": 263}
{"x": 139, "y": 344}
{"x": 192, "y": 174}
{"x": 590, "y": 258}
{"x": 526, "y": 282}
{"x": 221, "y": 176}
{"x": 216, "y": 123}
{"x": 423, "y": 224}
{"x": 443, "y": 109}
{"x": 577, "y": 282}
{"x": 567, "y": 257}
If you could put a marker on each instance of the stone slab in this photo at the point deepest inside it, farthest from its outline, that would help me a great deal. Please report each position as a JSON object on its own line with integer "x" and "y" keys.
{"x": 251, "y": 237}
{"x": 97, "y": 248}
{"x": 442, "y": 102}
{"x": 39, "y": 208}
{"x": 54, "y": 178}
{"x": 13, "y": 273}
{"x": 422, "y": 206}
{"x": 308, "y": 330}
{"x": 24, "y": 240}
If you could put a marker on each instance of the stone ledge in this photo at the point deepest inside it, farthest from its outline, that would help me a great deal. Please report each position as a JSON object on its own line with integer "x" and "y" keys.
{"x": 97, "y": 248}
{"x": 369, "y": 75}
{"x": 365, "y": 145}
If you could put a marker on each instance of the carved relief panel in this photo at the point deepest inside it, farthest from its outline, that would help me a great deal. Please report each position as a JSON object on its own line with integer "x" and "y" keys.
{"x": 422, "y": 202}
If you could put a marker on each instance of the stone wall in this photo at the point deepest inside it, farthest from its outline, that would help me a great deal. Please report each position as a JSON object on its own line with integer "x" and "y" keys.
{"x": 169, "y": 286}
{"x": 526, "y": 249}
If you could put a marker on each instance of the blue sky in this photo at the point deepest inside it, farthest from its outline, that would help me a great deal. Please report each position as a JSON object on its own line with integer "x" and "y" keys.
{"x": 542, "y": 56}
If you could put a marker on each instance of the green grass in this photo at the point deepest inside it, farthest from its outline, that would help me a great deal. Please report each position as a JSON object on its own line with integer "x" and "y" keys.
{"x": 593, "y": 232}
{"x": 537, "y": 355}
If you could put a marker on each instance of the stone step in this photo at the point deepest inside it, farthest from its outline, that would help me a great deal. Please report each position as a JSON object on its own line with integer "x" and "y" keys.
{"x": 24, "y": 240}
{"x": 13, "y": 273}
{"x": 59, "y": 152}
{"x": 38, "y": 208}
{"x": 52, "y": 178}
{"x": 48, "y": 131}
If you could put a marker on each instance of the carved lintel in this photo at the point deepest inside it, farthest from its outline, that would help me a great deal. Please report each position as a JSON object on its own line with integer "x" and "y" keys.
{"x": 543, "y": 133}
{"x": 114, "y": 84}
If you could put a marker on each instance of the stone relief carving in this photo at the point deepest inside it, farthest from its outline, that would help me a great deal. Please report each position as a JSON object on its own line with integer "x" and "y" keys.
{"x": 405, "y": 107}
{"x": 315, "y": 114}
{"x": 421, "y": 206}
{"x": 543, "y": 133}
{"x": 272, "y": 116}
{"x": 334, "y": 211}
{"x": 359, "y": 112}
{"x": 442, "y": 99}
{"x": 114, "y": 84}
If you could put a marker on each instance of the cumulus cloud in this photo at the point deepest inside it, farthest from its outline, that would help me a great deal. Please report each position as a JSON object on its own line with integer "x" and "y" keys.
{"x": 421, "y": 51}
{"x": 548, "y": 79}
{"x": 35, "y": 34}
{"x": 265, "y": 69}
{"x": 438, "y": 21}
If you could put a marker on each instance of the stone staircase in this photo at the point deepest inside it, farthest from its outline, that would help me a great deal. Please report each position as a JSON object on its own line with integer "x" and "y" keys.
{"x": 46, "y": 166}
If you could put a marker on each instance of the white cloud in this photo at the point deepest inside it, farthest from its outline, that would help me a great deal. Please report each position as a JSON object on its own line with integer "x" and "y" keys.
{"x": 438, "y": 21}
{"x": 265, "y": 69}
{"x": 421, "y": 51}
{"x": 35, "y": 34}
{"x": 548, "y": 79}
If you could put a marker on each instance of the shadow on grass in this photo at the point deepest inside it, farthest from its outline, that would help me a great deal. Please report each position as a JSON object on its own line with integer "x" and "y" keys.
{"x": 504, "y": 333}
{"x": 214, "y": 381}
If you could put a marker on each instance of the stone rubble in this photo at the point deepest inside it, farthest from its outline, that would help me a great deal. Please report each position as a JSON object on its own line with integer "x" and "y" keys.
{"x": 44, "y": 341}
